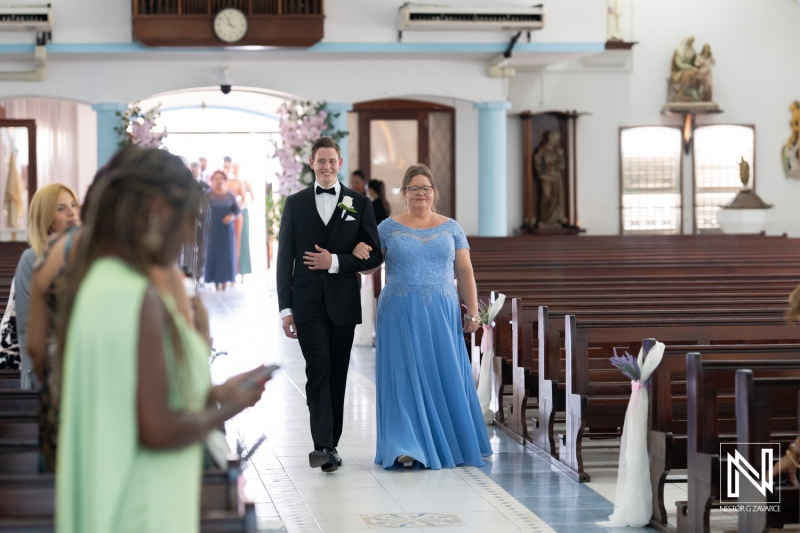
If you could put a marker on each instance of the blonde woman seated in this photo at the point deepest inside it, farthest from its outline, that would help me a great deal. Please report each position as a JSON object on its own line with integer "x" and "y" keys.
{"x": 54, "y": 208}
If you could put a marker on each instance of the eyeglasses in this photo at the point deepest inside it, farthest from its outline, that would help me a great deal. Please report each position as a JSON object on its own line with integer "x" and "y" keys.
{"x": 426, "y": 190}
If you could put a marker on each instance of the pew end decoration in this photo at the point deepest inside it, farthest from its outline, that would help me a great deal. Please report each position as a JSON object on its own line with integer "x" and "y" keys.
{"x": 633, "y": 504}
{"x": 627, "y": 364}
{"x": 490, "y": 370}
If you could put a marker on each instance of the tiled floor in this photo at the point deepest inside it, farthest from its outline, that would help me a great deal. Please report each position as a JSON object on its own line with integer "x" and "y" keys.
{"x": 516, "y": 491}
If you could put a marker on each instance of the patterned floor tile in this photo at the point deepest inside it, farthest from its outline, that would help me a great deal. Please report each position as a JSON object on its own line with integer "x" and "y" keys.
{"x": 405, "y": 520}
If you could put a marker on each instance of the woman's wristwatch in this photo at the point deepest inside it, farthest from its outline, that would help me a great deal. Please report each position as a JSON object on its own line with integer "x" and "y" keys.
{"x": 473, "y": 318}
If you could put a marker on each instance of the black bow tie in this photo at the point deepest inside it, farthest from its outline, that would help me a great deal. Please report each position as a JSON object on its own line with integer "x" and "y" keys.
{"x": 320, "y": 190}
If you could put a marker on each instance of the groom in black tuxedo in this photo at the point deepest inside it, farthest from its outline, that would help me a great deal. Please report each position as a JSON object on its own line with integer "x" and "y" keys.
{"x": 318, "y": 289}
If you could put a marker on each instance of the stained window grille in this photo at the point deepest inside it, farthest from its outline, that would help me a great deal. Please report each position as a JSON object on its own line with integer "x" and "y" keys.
{"x": 718, "y": 151}
{"x": 650, "y": 167}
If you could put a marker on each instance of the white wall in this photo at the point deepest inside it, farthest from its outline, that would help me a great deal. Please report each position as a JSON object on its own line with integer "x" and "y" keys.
{"x": 754, "y": 44}
{"x": 87, "y": 148}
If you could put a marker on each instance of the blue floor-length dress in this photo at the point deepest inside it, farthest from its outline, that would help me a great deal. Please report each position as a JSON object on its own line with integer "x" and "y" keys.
{"x": 220, "y": 261}
{"x": 427, "y": 406}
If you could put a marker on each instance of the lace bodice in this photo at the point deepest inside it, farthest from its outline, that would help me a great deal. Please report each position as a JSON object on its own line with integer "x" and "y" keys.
{"x": 420, "y": 260}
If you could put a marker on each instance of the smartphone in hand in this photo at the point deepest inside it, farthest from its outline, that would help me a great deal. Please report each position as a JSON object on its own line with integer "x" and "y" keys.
{"x": 265, "y": 371}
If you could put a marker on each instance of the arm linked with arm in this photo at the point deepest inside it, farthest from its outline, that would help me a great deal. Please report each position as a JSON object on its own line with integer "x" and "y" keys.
{"x": 368, "y": 234}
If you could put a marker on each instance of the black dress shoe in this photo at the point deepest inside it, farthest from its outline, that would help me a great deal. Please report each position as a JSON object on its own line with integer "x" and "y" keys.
{"x": 323, "y": 459}
{"x": 336, "y": 456}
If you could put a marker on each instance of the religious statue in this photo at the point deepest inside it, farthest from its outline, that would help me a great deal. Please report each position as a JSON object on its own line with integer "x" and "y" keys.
{"x": 614, "y": 13}
{"x": 550, "y": 166}
{"x": 690, "y": 73}
{"x": 790, "y": 154}
{"x": 744, "y": 172}
{"x": 705, "y": 86}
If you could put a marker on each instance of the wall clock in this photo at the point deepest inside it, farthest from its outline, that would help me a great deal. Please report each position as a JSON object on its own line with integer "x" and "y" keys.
{"x": 230, "y": 25}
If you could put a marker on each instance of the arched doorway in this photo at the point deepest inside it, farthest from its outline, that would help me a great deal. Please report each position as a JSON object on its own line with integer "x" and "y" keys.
{"x": 390, "y": 135}
{"x": 241, "y": 125}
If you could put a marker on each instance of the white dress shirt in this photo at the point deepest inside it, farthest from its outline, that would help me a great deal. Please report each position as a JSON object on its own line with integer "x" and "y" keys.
{"x": 326, "y": 204}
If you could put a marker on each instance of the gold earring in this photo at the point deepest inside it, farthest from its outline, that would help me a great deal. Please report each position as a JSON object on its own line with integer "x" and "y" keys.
{"x": 152, "y": 240}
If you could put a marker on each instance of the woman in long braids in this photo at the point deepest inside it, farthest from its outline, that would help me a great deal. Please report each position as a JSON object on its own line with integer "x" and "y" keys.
{"x": 136, "y": 397}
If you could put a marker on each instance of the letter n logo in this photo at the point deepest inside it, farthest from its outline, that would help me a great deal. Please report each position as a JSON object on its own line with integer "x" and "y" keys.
{"x": 743, "y": 478}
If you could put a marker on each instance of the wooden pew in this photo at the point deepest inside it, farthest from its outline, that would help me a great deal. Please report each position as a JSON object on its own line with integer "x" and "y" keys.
{"x": 10, "y": 253}
{"x": 765, "y": 411}
{"x": 667, "y": 436}
{"x": 19, "y": 458}
{"x": 539, "y": 365}
{"x": 528, "y": 384}
{"x": 708, "y": 385}
{"x": 19, "y": 430}
{"x": 19, "y": 400}
{"x": 212, "y": 522}
{"x": 9, "y": 379}
{"x": 596, "y": 394}
{"x": 27, "y": 502}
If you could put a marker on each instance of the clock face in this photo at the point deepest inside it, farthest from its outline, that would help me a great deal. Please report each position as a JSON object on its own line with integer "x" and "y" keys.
{"x": 230, "y": 25}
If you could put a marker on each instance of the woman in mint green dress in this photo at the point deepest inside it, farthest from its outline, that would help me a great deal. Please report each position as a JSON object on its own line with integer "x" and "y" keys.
{"x": 137, "y": 398}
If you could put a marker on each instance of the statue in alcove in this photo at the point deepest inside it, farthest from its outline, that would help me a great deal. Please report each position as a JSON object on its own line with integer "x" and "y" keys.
{"x": 549, "y": 164}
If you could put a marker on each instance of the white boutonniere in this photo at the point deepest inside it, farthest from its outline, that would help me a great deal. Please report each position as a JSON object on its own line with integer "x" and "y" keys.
{"x": 346, "y": 205}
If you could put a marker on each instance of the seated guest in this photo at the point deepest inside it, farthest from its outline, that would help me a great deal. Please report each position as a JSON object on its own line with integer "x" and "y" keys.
{"x": 789, "y": 463}
{"x": 137, "y": 398}
{"x": 53, "y": 208}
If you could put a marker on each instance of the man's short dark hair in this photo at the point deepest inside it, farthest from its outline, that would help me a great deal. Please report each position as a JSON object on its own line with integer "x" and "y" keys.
{"x": 359, "y": 173}
{"x": 325, "y": 142}
{"x": 227, "y": 159}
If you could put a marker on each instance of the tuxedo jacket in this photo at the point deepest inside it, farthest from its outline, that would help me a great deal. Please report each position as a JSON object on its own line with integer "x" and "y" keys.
{"x": 302, "y": 289}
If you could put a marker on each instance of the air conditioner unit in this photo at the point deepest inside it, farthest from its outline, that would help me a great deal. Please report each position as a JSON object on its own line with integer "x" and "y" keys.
{"x": 427, "y": 17}
{"x": 26, "y": 18}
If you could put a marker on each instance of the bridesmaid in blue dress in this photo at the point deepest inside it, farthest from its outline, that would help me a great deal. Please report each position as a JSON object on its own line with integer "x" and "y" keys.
{"x": 427, "y": 406}
{"x": 220, "y": 264}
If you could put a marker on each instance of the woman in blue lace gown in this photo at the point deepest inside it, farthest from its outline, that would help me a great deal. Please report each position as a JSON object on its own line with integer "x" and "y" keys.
{"x": 427, "y": 406}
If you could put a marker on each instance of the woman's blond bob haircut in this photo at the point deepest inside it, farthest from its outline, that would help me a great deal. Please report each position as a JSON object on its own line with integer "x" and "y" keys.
{"x": 41, "y": 214}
